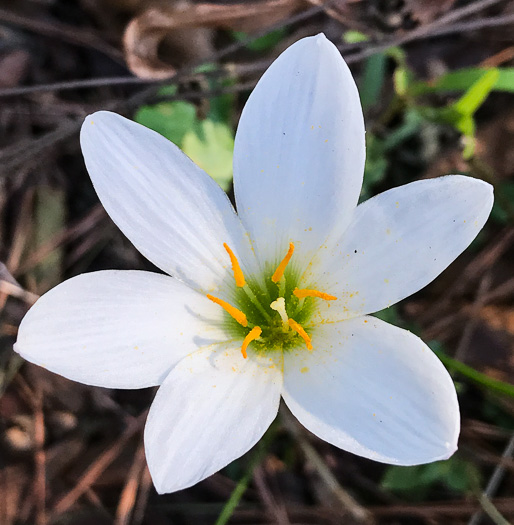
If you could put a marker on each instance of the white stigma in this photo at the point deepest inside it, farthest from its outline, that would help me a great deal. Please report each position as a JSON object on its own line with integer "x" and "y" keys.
{"x": 280, "y": 306}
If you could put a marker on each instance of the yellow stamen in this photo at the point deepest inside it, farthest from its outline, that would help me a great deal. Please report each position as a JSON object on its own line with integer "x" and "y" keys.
{"x": 239, "y": 316}
{"x": 253, "y": 334}
{"x": 301, "y": 332}
{"x": 279, "y": 272}
{"x": 238, "y": 273}
{"x": 313, "y": 293}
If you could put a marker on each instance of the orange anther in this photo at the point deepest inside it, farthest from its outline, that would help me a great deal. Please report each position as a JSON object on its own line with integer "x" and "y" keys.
{"x": 253, "y": 334}
{"x": 238, "y": 273}
{"x": 313, "y": 293}
{"x": 279, "y": 272}
{"x": 298, "y": 328}
{"x": 239, "y": 316}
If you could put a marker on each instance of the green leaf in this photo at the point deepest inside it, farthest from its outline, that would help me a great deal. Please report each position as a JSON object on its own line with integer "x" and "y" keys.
{"x": 457, "y": 474}
{"x": 49, "y": 220}
{"x": 171, "y": 119}
{"x": 264, "y": 43}
{"x": 483, "y": 380}
{"x": 463, "y": 79}
{"x": 211, "y": 146}
{"x": 477, "y": 93}
{"x": 372, "y": 80}
{"x": 354, "y": 37}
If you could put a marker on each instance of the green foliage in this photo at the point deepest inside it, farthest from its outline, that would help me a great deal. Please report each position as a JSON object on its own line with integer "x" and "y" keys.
{"x": 49, "y": 220}
{"x": 483, "y": 380}
{"x": 503, "y": 207}
{"x": 209, "y": 142}
{"x": 377, "y": 150}
{"x": 463, "y": 79}
{"x": 354, "y": 37}
{"x": 210, "y": 145}
{"x": 389, "y": 315}
{"x": 372, "y": 80}
{"x": 456, "y": 474}
{"x": 476, "y": 83}
{"x": 264, "y": 43}
{"x": 171, "y": 119}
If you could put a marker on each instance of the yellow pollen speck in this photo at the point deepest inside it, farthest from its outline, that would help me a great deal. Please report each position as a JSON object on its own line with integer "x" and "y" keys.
{"x": 326, "y": 140}
{"x": 136, "y": 348}
{"x": 298, "y": 328}
{"x": 313, "y": 293}
{"x": 365, "y": 320}
{"x": 304, "y": 370}
{"x": 386, "y": 281}
{"x": 238, "y": 273}
{"x": 239, "y": 316}
{"x": 279, "y": 272}
{"x": 374, "y": 415}
{"x": 397, "y": 204}
{"x": 253, "y": 334}
{"x": 388, "y": 231}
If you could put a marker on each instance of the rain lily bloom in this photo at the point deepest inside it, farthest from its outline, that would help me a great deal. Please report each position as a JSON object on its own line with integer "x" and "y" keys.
{"x": 272, "y": 301}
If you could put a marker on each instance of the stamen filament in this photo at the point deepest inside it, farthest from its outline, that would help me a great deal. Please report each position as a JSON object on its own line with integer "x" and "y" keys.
{"x": 239, "y": 316}
{"x": 302, "y": 293}
{"x": 279, "y": 272}
{"x": 238, "y": 273}
{"x": 256, "y": 302}
{"x": 253, "y": 334}
{"x": 301, "y": 332}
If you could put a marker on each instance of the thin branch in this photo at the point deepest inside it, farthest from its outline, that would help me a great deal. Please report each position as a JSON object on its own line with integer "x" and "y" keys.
{"x": 493, "y": 484}
{"x": 70, "y": 34}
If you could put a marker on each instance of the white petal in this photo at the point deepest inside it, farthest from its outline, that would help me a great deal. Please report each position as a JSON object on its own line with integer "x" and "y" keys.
{"x": 117, "y": 329}
{"x": 211, "y": 409}
{"x": 375, "y": 390}
{"x": 299, "y": 150}
{"x": 400, "y": 240}
{"x": 170, "y": 209}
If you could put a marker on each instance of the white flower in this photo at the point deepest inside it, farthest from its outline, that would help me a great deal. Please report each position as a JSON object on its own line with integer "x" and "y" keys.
{"x": 238, "y": 325}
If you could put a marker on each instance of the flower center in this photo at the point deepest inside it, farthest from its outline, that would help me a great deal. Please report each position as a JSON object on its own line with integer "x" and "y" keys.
{"x": 273, "y": 317}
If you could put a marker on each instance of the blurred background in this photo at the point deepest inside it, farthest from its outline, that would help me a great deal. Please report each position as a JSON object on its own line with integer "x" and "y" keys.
{"x": 436, "y": 81}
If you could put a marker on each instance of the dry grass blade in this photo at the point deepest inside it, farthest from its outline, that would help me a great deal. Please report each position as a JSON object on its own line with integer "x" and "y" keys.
{"x": 352, "y": 507}
{"x": 128, "y": 496}
{"x": 99, "y": 466}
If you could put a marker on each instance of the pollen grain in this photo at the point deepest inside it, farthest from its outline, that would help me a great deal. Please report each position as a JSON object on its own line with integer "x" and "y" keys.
{"x": 253, "y": 334}
{"x": 279, "y": 272}
{"x": 239, "y": 316}
{"x": 238, "y": 273}
{"x": 298, "y": 328}
{"x": 302, "y": 293}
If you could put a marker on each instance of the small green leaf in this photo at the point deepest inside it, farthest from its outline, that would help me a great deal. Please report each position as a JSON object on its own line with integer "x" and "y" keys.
{"x": 463, "y": 79}
{"x": 354, "y": 37}
{"x": 264, "y": 43}
{"x": 457, "y": 474}
{"x": 372, "y": 80}
{"x": 171, "y": 119}
{"x": 477, "y": 93}
{"x": 211, "y": 146}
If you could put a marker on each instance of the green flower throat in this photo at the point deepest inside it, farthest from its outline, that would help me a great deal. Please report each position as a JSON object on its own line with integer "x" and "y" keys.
{"x": 272, "y": 317}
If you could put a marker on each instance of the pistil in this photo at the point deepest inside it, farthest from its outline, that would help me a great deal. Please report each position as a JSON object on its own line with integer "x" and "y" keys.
{"x": 280, "y": 306}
